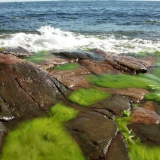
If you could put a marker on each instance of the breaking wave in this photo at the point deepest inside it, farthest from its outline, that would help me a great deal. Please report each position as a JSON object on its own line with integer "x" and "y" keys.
{"x": 49, "y": 38}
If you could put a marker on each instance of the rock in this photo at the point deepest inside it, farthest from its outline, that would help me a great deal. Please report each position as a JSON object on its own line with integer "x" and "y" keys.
{"x": 131, "y": 92}
{"x": 3, "y": 132}
{"x": 143, "y": 116}
{"x": 115, "y": 104}
{"x": 52, "y": 62}
{"x": 75, "y": 82}
{"x": 98, "y": 67}
{"x": 62, "y": 74}
{"x": 19, "y": 52}
{"x": 148, "y": 133}
{"x": 129, "y": 64}
{"x": 149, "y": 105}
{"x": 26, "y": 90}
{"x": 93, "y": 132}
{"x": 77, "y": 55}
{"x": 117, "y": 149}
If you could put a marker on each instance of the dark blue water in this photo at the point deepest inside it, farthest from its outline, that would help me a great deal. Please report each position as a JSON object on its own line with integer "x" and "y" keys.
{"x": 112, "y": 19}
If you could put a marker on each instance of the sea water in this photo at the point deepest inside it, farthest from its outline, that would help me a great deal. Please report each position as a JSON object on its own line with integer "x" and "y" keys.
{"x": 113, "y": 26}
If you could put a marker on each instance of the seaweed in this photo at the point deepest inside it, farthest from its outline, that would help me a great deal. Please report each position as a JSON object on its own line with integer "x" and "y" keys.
{"x": 39, "y": 57}
{"x": 2, "y": 49}
{"x": 43, "y": 138}
{"x": 153, "y": 96}
{"x": 124, "y": 81}
{"x": 87, "y": 97}
{"x": 137, "y": 150}
{"x": 67, "y": 66}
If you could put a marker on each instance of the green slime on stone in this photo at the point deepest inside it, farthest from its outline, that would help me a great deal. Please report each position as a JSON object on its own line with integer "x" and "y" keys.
{"x": 43, "y": 138}
{"x": 137, "y": 149}
{"x": 1, "y": 49}
{"x": 39, "y": 57}
{"x": 67, "y": 66}
{"x": 153, "y": 96}
{"x": 87, "y": 97}
{"x": 124, "y": 81}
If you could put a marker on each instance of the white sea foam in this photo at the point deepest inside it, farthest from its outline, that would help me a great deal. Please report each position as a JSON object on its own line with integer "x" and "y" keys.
{"x": 50, "y": 38}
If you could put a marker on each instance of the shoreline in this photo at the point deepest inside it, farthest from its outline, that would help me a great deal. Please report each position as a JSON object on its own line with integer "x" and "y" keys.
{"x": 68, "y": 75}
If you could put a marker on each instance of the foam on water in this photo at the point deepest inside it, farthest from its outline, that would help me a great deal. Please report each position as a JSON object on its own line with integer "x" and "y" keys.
{"x": 50, "y": 38}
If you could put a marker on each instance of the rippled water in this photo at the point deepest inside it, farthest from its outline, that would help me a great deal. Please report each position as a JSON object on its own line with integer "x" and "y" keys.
{"x": 111, "y": 26}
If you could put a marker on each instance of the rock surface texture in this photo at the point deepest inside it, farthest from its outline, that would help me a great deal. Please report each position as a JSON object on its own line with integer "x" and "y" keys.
{"x": 29, "y": 90}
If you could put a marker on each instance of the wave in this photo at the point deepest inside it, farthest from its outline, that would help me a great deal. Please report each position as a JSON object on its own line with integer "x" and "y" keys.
{"x": 49, "y": 38}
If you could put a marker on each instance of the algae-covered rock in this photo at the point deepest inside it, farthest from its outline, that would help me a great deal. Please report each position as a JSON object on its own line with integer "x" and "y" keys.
{"x": 123, "y": 81}
{"x": 43, "y": 138}
{"x": 153, "y": 96}
{"x": 87, "y": 97}
{"x": 67, "y": 66}
{"x": 39, "y": 57}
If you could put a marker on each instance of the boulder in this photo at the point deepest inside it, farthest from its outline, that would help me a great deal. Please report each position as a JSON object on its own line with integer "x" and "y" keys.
{"x": 93, "y": 132}
{"x": 115, "y": 104}
{"x": 130, "y": 64}
{"x": 26, "y": 90}
{"x": 144, "y": 116}
{"x": 19, "y": 52}
{"x": 118, "y": 149}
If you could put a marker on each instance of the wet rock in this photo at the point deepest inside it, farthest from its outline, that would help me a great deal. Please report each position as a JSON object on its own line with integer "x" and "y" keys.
{"x": 115, "y": 104}
{"x": 26, "y": 90}
{"x": 144, "y": 116}
{"x": 3, "y": 132}
{"x": 75, "y": 82}
{"x": 105, "y": 112}
{"x": 63, "y": 74}
{"x": 148, "y": 133}
{"x": 137, "y": 93}
{"x": 93, "y": 132}
{"x": 52, "y": 62}
{"x": 102, "y": 53}
{"x": 149, "y": 105}
{"x": 19, "y": 52}
{"x": 118, "y": 149}
{"x": 78, "y": 54}
{"x": 129, "y": 64}
{"x": 98, "y": 67}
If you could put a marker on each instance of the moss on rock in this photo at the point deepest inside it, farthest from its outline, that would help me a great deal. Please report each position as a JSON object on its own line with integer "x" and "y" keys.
{"x": 67, "y": 66}
{"x": 137, "y": 149}
{"x": 43, "y": 138}
{"x": 39, "y": 57}
{"x": 123, "y": 81}
{"x": 87, "y": 97}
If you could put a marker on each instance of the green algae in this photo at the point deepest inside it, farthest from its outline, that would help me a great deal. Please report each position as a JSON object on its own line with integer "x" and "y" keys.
{"x": 145, "y": 54}
{"x": 156, "y": 72}
{"x": 87, "y": 97}
{"x": 153, "y": 96}
{"x": 67, "y": 66}
{"x": 137, "y": 149}
{"x": 2, "y": 49}
{"x": 43, "y": 138}
{"x": 123, "y": 81}
{"x": 39, "y": 57}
